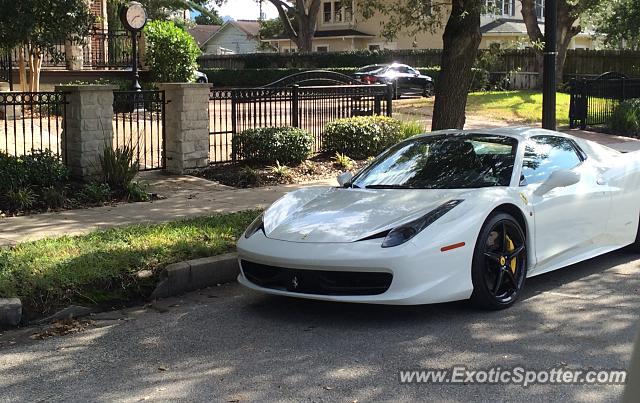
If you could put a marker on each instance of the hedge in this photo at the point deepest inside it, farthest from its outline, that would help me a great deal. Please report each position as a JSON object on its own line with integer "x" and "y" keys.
{"x": 268, "y": 145}
{"x": 259, "y": 77}
{"x": 362, "y": 136}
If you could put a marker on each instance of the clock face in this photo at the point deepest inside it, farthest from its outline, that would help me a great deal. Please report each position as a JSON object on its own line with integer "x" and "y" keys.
{"x": 136, "y": 16}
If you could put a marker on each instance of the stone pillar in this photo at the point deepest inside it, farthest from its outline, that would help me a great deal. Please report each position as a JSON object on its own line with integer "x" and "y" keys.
{"x": 186, "y": 126}
{"x": 88, "y": 129}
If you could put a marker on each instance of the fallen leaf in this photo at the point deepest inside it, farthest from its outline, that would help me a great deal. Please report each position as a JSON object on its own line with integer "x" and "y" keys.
{"x": 162, "y": 368}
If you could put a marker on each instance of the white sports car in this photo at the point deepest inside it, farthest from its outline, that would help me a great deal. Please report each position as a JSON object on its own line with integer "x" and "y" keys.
{"x": 447, "y": 216}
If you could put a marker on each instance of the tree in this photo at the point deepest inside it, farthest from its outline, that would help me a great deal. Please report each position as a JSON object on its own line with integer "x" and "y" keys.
{"x": 171, "y": 52}
{"x": 39, "y": 25}
{"x": 618, "y": 22}
{"x": 569, "y": 12}
{"x": 461, "y": 39}
{"x": 213, "y": 19}
{"x": 162, "y": 9}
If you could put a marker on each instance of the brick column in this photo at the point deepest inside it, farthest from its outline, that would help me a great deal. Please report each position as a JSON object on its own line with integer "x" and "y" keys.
{"x": 186, "y": 126}
{"x": 88, "y": 129}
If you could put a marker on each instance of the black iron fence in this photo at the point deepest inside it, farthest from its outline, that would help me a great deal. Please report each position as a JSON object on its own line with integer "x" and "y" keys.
{"x": 139, "y": 122}
{"x": 32, "y": 121}
{"x": 102, "y": 49}
{"x": 5, "y": 68}
{"x": 593, "y": 101}
{"x": 232, "y": 111}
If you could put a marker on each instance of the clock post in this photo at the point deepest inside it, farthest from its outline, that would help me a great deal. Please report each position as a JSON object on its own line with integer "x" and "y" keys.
{"x": 134, "y": 18}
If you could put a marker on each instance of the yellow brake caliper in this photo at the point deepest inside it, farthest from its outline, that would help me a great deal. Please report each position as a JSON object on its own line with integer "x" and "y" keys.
{"x": 510, "y": 248}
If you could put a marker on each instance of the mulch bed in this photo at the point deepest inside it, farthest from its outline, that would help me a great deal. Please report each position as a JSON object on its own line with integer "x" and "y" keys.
{"x": 242, "y": 175}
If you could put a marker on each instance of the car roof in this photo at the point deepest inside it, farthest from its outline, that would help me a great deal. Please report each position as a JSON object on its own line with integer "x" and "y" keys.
{"x": 519, "y": 132}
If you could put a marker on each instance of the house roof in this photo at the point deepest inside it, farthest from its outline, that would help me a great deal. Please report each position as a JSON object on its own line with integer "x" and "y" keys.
{"x": 506, "y": 26}
{"x": 202, "y": 33}
{"x": 249, "y": 27}
{"x": 332, "y": 33}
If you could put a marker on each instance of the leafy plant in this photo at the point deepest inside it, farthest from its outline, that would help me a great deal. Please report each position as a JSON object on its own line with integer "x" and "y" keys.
{"x": 362, "y": 136}
{"x": 118, "y": 168}
{"x": 249, "y": 177}
{"x": 342, "y": 161}
{"x": 411, "y": 128}
{"x": 626, "y": 118}
{"x": 21, "y": 199}
{"x": 96, "y": 192}
{"x": 289, "y": 145}
{"x": 281, "y": 172}
{"x": 171, "y": 52}
{"x": 44, "y": 169}
{"x": 136, "y": 192}
{"x": 308, "y": 167}
{"x": 53, "y": 197}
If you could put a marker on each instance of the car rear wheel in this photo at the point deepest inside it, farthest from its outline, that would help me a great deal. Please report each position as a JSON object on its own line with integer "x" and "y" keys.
{"x": 499, "y": 266}
{"x": 427, "y": 91}
{"x": 635, "y": 246}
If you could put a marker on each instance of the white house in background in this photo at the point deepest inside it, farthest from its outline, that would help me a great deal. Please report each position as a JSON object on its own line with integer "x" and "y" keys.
{"x": 234, "y": 37}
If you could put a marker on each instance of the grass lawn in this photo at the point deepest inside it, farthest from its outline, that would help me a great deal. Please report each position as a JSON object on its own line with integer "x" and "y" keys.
{"x": 513, "y": 106}
{"x": 104, "y": 265}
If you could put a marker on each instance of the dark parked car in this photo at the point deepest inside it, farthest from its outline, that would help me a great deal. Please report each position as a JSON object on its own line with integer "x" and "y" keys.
{"x": 404, "y": 78}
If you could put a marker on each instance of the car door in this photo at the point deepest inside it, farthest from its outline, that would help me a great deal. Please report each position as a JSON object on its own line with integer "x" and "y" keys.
{"x": 568, "y": 220}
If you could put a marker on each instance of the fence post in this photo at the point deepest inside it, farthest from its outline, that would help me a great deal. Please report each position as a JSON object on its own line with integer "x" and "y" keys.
{"x": 294, "y": 105}
{"x": 623, "y": 82}
{"x": 389, "y": 99}
{"x": 234, "y": 115}
{"x": 88, "y": 128}
{"x": 186, "y": 126}
{"x": 583, "y": 106}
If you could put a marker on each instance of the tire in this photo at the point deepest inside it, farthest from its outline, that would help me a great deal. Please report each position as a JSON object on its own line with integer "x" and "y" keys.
{"x": 635, "y": 246}
{"x": 427, "y": 91}
{"x": 499, "y": 265}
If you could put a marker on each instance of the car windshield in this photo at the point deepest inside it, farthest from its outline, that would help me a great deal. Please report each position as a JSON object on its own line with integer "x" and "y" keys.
{"x": 371, "y": 68}
{"x": 450, "y": 161}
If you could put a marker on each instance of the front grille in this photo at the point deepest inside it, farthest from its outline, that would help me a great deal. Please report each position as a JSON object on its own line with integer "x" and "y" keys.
{"x": 318, "y": 282}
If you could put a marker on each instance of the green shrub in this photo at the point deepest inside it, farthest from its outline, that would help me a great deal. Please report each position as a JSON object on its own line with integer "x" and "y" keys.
{"x": 95, "y": 192}
{"x": 362, "y": 136}
{"x": 170, "y": 51}
{"x": 626, "y": 118}
{"x": 136, "y": 192}
{"x": 342, "y": 161}
{"x": 20, "y": 199}
{"x": 118, "y": 168}
{"x": 281, "y": 172}
{"x": 53, "y": 197}
{"x": 287, "y": 145}
{"x": 411, "y": 128}
{"x": 44, "y": 169}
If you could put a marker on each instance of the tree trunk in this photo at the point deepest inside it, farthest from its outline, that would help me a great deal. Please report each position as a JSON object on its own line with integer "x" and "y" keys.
{"x": 22, "y": 70}
{"x": 306, "y": 13}
{"x": 461, "y": 39}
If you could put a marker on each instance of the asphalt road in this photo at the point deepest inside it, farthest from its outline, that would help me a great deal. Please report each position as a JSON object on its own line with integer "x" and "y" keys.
{"x": 230, "y": 344}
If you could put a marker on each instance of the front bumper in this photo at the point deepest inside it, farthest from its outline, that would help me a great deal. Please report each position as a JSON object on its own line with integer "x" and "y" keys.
{"x": 420, "y": 275}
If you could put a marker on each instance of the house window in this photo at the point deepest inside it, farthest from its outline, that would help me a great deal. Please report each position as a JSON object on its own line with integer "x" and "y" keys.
{"x": 374, "y": 46}
{"x": 504, "y": 8}
{"x": 322, "y": 48}
{"x": 337, "y": 12}
{"x": 540, "y": 9}
{"x": 327, "y": 12}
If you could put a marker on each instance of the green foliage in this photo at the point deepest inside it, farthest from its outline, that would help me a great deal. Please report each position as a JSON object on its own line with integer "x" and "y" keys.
{"x": 626, "y": 118}
{"x": 617, "y": 22}
{"x": 34, "y": 180}
{"x": 171, "y": 52}
{"x": 411, "y": 128}
{"x": 342, "y": 161}
{"x": 95, "y": 192}
{"x": 248, "y": 177}
{"x": 20, "y": 199}
{"x": 213, "y": 18}
{"x": 281, "y": 172}
{"x": 103, "y": 265}
{"x": 136, "y": 192}
{"x": 362, "y": 136}
{"x": 289, "y": 145}
{"x": 118, "y": 168}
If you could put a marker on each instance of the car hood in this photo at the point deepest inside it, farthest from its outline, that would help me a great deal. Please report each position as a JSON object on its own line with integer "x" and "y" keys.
{"x": 321, "y": 214}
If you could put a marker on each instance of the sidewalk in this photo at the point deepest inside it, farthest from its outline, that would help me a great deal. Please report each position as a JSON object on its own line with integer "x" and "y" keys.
{"x": 187, "y": 196}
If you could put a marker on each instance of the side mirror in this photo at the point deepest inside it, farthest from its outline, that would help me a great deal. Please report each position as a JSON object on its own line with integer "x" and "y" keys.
{"x": 558, "y": 179}
{"x": 344, "y": 178}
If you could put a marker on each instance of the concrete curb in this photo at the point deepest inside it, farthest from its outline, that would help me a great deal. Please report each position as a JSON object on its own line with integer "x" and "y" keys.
{"x": 10, "y": 312}
{"x": 191, "y": 275}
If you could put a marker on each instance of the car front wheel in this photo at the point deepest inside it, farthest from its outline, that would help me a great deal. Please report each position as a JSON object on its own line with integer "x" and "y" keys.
{"x": 427, "y": 91}
{"x": 499, "y": 266}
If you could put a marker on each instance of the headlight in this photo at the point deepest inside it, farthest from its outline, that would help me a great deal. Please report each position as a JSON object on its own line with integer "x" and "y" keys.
{"x": 405, "y": 232}
{"x": 255, "y": 226}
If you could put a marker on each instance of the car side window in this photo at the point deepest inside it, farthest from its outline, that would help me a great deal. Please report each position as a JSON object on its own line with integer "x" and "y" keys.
{"x": 545, "y": 154}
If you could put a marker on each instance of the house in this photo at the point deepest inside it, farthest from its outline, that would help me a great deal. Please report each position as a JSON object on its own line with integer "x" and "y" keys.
{"x": 202, "y": 33}
{"x": 341, "y": 27}
{"x": 234, "y": 37}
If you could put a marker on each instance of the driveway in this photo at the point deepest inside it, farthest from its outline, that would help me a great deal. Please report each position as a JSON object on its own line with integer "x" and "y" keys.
{"x": 230, "y": 344}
